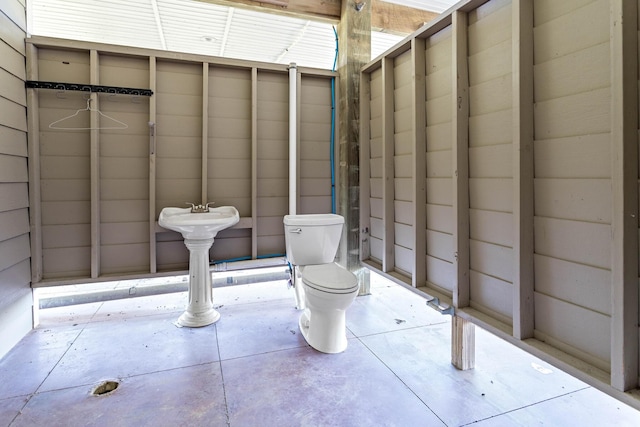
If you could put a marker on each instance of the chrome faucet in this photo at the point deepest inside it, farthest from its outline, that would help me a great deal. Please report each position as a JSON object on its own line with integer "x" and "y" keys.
{"x": 199, "y": 208}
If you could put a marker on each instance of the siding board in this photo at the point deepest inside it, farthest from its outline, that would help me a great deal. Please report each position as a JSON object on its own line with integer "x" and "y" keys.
{"x": 14, "y": 115}
{"x": 14, "y": 251}
{"x": 13, "y": 169}
{"x": 12, "y": 61}
{"x": 581, "y": 114}
{"x": 575, "y": 199}
{"x": 571, "y": 30}
{"x": 491, "y": 295}
{"x": 581, "y": 156}
{"x": 558, "y": 319}
{"x": 12, "y": 34}
{"x": 13, "y": 142}
{"x": 13, "y": 223}
{"x": 580, "y": 242}
{"x": 12, "y": 88}
{"x": 571, "y": 282}
{"x": 490, "y": 129}
{"x": 558, "y": 78}
{"x": 13, "y": 196}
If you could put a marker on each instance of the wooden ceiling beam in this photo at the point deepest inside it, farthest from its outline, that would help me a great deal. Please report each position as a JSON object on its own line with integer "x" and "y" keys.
{"x": 324, "y": 10}
{"x": 387, "y": 17}
{"x": 394, "y": 18}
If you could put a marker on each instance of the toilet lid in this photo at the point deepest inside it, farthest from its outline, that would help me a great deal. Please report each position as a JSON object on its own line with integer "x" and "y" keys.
{"x": 329, "y": 278}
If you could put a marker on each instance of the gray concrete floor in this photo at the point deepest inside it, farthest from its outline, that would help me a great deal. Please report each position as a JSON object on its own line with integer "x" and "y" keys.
{"x": 253, "y": 368}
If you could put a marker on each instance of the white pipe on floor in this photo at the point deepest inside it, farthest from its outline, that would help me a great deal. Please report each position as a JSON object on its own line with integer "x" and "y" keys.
{"x": 248, "y": 277}
{"x": 249, "y": 264}
{"x": 293, "y": 137}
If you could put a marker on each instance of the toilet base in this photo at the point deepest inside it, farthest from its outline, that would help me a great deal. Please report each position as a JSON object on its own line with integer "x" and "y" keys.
{"x": 329, "y": 334}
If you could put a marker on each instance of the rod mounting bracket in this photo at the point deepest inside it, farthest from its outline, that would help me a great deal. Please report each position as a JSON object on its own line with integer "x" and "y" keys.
{"x": 434, "y": 303}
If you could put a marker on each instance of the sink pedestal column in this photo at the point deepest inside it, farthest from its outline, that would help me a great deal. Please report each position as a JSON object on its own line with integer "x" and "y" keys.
{"x": 200, "y": 310}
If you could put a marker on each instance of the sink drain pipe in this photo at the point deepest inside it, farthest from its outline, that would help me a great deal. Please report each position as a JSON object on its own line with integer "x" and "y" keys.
{"x": 240, "y": 273}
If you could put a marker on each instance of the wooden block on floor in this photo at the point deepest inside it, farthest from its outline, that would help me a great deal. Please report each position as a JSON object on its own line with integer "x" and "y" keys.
{"x": 463, "y": 344}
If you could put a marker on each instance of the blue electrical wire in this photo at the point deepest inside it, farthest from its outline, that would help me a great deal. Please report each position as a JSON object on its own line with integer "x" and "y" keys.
{"x": 335, "y": 59}
{"x": 333, "y": 129}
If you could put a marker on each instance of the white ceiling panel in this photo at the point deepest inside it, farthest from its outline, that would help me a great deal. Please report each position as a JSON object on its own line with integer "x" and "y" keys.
{"x": 122, "y": 22}
{"x": 203, "y": 28}
{"x": 193, "y": 27}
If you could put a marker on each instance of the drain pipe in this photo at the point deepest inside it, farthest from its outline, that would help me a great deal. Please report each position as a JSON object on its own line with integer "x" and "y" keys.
{"x": 293, "y": 137}
{"x": 332, "y": 140}
{"x": 293, "y": 173}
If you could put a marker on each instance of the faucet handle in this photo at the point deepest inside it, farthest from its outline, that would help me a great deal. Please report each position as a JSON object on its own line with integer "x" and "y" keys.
{"x": 199, "y": 208}
{"x": 196, "y": 208}
{"x": 209, "y": 204}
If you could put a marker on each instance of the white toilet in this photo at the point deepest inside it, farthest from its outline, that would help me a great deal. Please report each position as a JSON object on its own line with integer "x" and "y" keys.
{"x": 328, "y": 289}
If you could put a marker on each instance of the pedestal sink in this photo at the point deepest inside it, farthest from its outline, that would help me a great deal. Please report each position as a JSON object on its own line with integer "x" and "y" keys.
{"x": 199, "y": 229}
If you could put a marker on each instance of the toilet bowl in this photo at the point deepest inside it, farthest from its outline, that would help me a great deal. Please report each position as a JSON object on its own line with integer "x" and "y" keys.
{"x": 327, "y": 288}
{"x": 328, "y": 291}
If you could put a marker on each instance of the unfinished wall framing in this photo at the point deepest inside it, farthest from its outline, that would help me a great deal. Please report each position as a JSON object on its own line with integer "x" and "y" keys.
{"x": 213, "y": 131}
{"x": 519, "y": 119}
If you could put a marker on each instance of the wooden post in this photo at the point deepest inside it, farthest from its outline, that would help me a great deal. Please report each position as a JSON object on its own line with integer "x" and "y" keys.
{"x": 365, "y": 169}
{"x": 388, "y": 178}
{"x": 205, "y": 134}
{"x": 624, "y": 157}
{"x": 523, "y": 277}
{"x": 460, "y": 137}
{"x": 33, "y": 126}
{"x": 418, "y": 54}
{"x": 153, "y": 133}
{"x": 254, "y": 163}
{"x": 463, "y": 343}
{"x": 94, "y": 67}
{"x": 354, "y": 46}
{"x": 463, "y": 332}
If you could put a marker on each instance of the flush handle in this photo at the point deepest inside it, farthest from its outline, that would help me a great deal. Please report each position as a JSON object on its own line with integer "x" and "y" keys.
{"x": 296, "y": 230}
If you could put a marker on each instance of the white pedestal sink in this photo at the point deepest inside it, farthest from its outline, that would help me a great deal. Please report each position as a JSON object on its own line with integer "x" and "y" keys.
{"x": 199, "y": 230}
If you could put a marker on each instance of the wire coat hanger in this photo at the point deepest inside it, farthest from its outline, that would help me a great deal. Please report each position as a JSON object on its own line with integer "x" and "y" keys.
{"x": 119, "y": 124}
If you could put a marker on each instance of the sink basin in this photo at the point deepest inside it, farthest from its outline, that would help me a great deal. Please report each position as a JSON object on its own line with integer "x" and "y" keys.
{"x": 198, "y": 225}
{"x": 198, "y": 231}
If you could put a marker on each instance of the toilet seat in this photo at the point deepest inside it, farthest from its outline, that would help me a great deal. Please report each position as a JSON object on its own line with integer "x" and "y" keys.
{"x": 329, "y": 278}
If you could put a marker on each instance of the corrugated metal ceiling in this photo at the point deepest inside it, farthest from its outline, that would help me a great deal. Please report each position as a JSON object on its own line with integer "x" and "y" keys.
{"x": 202, "y": 28}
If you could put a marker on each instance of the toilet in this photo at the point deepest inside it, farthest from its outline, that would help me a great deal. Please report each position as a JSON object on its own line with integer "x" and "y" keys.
{"x": 327, "y": 289}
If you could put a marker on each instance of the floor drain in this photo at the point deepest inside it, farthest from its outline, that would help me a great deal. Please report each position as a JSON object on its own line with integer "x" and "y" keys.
{"x": 105, "y": 388}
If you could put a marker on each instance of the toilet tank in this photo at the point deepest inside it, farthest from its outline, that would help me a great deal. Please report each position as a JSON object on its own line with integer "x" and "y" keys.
{"x": 312, "y": 238}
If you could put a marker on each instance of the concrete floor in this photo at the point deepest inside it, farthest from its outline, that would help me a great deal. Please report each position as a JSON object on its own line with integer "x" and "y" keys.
{"x": 253, "y": 368}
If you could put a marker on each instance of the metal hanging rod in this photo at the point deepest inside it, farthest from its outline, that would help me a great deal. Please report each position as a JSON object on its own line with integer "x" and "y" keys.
{"x": 88, "y": 88}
